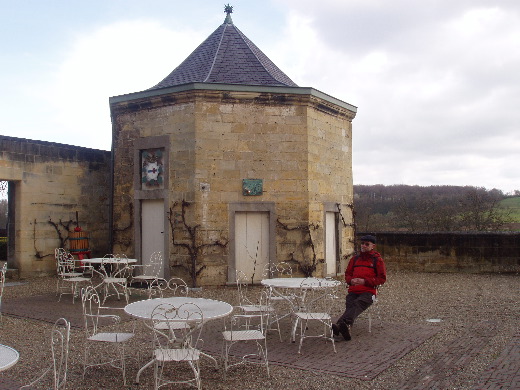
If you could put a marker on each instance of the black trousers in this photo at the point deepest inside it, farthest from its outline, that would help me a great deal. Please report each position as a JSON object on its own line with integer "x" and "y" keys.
{"x": 355, "y": 304}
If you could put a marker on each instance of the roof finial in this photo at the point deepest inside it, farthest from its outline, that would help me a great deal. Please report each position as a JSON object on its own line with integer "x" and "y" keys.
{"x": 228, "y": 9}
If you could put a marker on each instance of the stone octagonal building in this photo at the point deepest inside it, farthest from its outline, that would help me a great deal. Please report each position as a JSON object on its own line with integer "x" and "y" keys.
{"x": 228, "y": 165}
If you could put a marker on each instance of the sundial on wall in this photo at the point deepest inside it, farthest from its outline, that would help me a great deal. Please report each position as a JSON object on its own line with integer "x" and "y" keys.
{"x": 152, "y": 167}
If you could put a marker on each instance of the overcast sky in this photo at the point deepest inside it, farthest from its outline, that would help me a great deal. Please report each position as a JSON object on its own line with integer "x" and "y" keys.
{"x": 436, "y": 82}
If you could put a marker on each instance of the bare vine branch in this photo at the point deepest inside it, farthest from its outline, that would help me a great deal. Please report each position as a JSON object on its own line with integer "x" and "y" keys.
{"x": 307, "y": 268}
{"x": 194, "y": 250}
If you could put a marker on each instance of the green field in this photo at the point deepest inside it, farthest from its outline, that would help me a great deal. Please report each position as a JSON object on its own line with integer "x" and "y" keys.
{"x": 512, "y": 204}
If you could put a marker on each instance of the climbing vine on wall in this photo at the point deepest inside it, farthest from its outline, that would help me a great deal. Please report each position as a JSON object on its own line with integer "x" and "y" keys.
{"x": 185, "y": 236}
{"x": 61, "y": 228}
{"x": 352, "y": 225}
{"x": 119, "y": 237}
{"x": 307, "y": 267}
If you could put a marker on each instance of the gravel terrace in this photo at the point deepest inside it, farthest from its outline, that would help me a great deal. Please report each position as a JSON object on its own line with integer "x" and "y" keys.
{"x": 480, "y": 318}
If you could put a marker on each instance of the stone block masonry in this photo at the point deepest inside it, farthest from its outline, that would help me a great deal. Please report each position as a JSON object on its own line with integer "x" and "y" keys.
{"x": 49, "y": 183}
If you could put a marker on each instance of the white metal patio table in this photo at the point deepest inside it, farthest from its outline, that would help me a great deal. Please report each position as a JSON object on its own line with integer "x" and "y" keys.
{"x": 279, "y": 285}
{"x": 211, "y": 310}
{"x": 109, "y": 260}
{"x": 8, "y": 357}
{"x": 115, "y": 262}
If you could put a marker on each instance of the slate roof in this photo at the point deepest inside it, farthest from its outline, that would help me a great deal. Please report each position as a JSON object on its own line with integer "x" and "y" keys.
{"x": 227, "y": 56}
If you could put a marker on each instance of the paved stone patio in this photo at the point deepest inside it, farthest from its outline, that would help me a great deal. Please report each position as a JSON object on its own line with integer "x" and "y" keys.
{"x": 475, "y": 346}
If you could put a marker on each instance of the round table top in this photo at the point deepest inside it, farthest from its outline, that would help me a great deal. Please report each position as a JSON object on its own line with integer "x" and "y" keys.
{"x": 8, "y": 357}
{"x": 297, "y": 282}
{"x": 211, "y": 309}
{"x": 109, "y": 260}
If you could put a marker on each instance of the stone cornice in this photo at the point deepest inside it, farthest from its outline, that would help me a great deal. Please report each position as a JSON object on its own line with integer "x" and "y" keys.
{"x": 227, "y": 93}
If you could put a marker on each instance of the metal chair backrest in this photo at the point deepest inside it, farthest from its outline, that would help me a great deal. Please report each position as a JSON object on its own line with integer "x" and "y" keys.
{"x": 123, "y": 268}
{"x": 91, "y": 302}
{"x": 284, "y": 270}
{"x": 155, "y": 265}
{"x": 315, "y": 298}
{"x": 242, "y": 283}
{"x": 258, "y": 319}
{"x": 175, "y": 287}
{"x": 58, "y": 252}
{"x": 178, "y": 287}
{"x": 91, "y": 306}
{"x": 269, "y": 271}
{"x": 60, "y": 352}
{"x": 120, "y": 269}
{"x": 165, "y": 320}
{"x": 106, "y": 266}
{"x": 60, "y": 336}
{"x": 278, "y": 270}
{"x": 65, "y": 262}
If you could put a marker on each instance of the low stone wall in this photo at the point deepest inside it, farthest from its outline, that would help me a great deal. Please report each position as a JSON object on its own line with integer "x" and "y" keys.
{"x": 451, "y": 252}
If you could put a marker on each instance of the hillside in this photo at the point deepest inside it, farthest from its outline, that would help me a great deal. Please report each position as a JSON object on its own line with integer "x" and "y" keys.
{"x": 434, "y": 208}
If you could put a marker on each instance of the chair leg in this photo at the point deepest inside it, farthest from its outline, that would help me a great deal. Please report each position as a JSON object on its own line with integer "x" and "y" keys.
{"x": 263, "y": 353}
{"x": 74, "y": 291}
{"x": 332, "y": 337}
{"x": 225, "y": 356}
{"x": 59, "y": 289}
{"x": 302, "y": 335}
{"x": 156, "y": 374}
{"x": 196, "y": 372}
{"x": 123, "y": 365}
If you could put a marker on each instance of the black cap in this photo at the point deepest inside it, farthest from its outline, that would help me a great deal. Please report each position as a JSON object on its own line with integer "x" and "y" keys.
{"x": 369, "y": 238}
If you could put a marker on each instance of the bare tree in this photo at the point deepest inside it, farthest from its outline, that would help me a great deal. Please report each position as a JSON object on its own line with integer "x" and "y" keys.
{"x": 429, "y": 209}
{"x": 480, "y": 210}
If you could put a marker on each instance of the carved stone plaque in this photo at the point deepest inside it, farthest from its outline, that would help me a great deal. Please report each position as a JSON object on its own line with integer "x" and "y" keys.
{"x": 152, "y": 168}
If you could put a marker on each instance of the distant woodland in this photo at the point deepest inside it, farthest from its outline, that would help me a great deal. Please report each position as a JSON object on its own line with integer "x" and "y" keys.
{"x": 380, "y": 208}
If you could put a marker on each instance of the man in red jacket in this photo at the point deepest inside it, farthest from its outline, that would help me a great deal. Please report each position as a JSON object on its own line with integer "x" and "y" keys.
{"x": 364, "y": 273}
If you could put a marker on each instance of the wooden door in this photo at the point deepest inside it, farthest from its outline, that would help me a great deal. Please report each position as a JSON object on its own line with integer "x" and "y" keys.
{"x": 331, "y": 245}
{"x": 152, "y": 230}
{"x": 251, "y": 243}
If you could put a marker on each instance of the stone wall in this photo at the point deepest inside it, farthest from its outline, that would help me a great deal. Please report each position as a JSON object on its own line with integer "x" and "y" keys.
{"x": 451, "y": 252}
{"x": 48, "y": 184}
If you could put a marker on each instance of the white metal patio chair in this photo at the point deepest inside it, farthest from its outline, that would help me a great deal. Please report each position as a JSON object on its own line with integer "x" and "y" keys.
{"x": 280, "y": 270}
{"x": 315, "y": 306}
{"x": 374, "y": 309}
{"x": 175, "y": 287}
{"x": 249, "y": 305}
{"x": 283, "y": 300}
{"x": 69, "y": 278}
{"x": 60, "y": 336}
{"x": 176, "y": 332}
{"x": 114, "y": 341}
{"x": 250, "y": 328}
{"x": 151, "y": 271}
{"x": 115, "y": 276}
